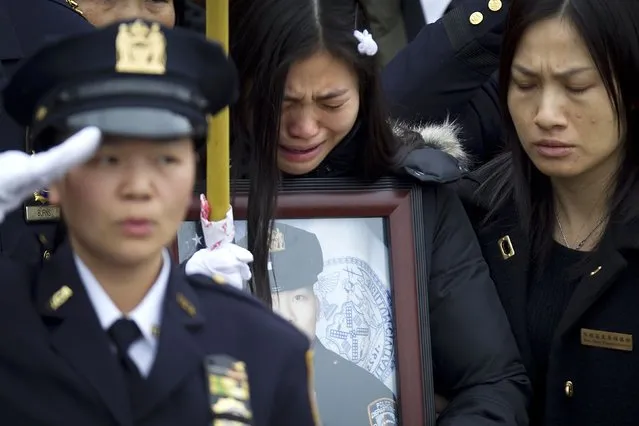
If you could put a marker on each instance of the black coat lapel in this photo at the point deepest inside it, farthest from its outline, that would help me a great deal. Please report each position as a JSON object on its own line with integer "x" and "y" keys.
{"x": 510, "y": 274}
{"x": 178, "y": 351}
{"x": 606, "y": 264}
{"x": 76, "y": 334}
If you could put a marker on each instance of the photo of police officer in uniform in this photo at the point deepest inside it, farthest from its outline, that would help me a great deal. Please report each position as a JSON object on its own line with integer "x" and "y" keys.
{"x": 347, "y": 394}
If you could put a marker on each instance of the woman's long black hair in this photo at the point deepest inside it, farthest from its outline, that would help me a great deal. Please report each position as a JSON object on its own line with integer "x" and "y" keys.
{"x": 610, "y": 31}
{"x": 267, "y": 37}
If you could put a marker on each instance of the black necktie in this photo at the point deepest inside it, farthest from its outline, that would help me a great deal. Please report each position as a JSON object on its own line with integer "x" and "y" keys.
{"x": 123, "y": 333}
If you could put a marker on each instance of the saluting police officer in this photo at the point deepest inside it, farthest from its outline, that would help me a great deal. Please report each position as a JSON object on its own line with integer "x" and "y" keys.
{"x": 346, "y": 393}
{"x": 110, "y": 332}
{"x": 29, "y": 233}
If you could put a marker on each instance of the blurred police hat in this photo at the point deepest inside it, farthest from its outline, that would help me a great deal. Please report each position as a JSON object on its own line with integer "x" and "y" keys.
{"x": 133, "y": 79}
{"x": 296, "y": 258}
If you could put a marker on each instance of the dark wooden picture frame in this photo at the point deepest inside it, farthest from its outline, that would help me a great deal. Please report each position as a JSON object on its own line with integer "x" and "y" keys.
{"x": 400, "y": 204}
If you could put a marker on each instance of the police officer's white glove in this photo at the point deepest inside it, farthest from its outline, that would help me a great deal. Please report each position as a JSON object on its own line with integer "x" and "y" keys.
{"x": 222, "y": 259}
{"x": 22, "y": 174}
{"x": 228, "y": 264}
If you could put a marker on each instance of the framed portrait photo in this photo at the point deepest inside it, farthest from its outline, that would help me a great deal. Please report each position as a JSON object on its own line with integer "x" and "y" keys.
{"x": 348, "y": 267}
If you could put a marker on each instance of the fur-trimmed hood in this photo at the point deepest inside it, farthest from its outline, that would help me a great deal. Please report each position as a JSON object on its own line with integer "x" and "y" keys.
{"x": 444, "y": 137}
{"x": 441, "y": 158}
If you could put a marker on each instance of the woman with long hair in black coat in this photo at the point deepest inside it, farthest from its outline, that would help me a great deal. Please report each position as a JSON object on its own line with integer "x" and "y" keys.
{"x": 311, "y": 106}
{"x": 557, "y": 217}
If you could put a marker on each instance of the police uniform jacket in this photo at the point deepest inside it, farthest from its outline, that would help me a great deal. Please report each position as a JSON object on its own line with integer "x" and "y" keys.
{"x": 476, "y": 364}
{"x": 458, "y": 56}
{"x": 25, "y": 26}
{"x": 57, "y": 368}
{"x": 593, "y": 371}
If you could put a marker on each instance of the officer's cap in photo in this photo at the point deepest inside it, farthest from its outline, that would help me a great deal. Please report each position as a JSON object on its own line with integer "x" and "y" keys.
{"x": 296, "y": 258}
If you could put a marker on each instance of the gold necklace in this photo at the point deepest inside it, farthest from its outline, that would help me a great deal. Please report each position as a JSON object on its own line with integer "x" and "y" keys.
{"x": 582, "y": 242}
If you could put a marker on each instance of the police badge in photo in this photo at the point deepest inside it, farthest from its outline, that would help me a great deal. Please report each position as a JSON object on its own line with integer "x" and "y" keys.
{"x": 382, "y": 412}
{"x": 357, "y": 320}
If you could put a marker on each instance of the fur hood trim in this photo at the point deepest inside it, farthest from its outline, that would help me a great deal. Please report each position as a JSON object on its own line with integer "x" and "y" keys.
{"x": 444, "y": 137}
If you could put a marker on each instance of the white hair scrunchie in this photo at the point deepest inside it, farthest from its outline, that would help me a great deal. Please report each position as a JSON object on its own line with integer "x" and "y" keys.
{"x": 367, "y": 46}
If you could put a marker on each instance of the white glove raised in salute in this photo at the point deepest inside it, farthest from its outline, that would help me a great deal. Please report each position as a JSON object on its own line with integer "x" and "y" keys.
{"x": 22, "y": 174}
{"x": 222, "y": 259}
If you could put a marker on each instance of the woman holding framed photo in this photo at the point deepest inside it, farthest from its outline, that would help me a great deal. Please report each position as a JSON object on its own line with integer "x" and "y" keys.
{"x": 311, "y": 107}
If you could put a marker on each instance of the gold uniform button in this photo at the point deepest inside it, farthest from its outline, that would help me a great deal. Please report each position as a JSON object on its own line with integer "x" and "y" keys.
{"x": 495, "y": 5}
{"x": 569, "y": 389}
{"x": 46, "y": 255}
{"x": 476, "y": 18}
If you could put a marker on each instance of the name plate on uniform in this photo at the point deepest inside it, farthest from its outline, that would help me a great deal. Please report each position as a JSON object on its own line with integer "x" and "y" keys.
{"x": 38, "y": 209}
{"x": 606, "y": 340}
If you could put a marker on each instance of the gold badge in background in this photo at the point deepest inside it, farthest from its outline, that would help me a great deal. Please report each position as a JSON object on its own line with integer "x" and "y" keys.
{"x": 276, "y": 242}
{"x": 140, "y": 49}
{"x": 229, "y": 393}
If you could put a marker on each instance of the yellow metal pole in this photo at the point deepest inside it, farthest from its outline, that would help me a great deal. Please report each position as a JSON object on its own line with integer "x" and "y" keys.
{"x": 218, "y": 189}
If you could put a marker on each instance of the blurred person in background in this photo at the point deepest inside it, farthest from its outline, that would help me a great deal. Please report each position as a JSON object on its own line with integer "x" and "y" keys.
{"x": 25, "y": 26}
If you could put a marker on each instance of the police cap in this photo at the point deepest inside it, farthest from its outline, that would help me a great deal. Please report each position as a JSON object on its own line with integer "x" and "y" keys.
{"x": 296, "y": 258}
{"x": 132, "y": 79}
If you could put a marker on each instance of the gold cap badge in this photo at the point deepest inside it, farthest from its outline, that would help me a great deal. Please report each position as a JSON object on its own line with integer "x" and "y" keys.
{"x": 140, "y": 49}
{"x": 276, "y": 242}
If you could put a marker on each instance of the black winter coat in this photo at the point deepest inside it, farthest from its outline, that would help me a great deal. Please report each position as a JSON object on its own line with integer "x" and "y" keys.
{"x": 476, "y": 364}
{"x": 593, "y": 373}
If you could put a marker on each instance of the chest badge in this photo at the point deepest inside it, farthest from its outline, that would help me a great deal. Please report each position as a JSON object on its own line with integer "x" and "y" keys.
{"x": 229, "y": 393}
